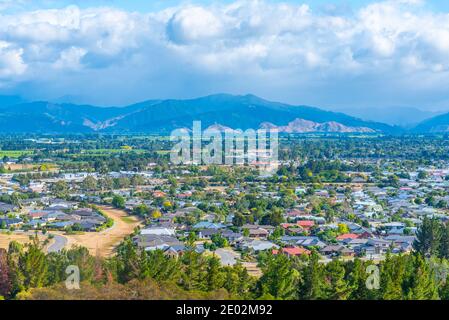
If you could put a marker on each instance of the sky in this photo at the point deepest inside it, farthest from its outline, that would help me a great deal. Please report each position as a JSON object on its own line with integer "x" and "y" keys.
{"x": 324, "y": 53}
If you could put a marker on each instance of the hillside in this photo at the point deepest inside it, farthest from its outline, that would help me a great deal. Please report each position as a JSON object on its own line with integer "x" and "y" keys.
{"x": 163, "y": 116}
{"x": 438, "y": 124}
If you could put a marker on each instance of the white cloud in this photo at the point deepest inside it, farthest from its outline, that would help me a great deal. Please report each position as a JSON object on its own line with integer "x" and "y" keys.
{"x": 194, "y": 24}
{"x": 247, "y": 43}
{"x": 70, "y": 59}
{"x": 11, "y": 62}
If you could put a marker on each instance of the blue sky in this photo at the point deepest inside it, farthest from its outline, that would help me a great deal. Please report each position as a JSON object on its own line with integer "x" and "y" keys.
{"x": 332, "y": 54}
{"x": 154, "y": 5}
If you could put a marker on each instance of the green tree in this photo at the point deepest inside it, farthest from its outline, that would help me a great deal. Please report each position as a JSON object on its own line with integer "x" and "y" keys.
{"x": 312, "y": 286}
{"x": 118, "y": 202}
{"x": 215, "y": 276}
{"x": 337, "y": 287}
{"x": 428, "y": 237}
{"x": 5, "y": 280}
{"x": 422, "y": 284}
{"x": 33, "y": 265}
{"x": 279, "y": 278}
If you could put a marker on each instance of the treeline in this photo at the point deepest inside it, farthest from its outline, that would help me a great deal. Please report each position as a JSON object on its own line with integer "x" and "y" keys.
{"x": 27, "y": 272}
{"x": 26, "y": 269}
{"x": 402, "y": 277}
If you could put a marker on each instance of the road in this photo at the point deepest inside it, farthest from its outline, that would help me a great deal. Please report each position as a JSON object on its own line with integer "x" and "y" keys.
{"x": 227, "y": 257}
{"x": 59, "y": 243}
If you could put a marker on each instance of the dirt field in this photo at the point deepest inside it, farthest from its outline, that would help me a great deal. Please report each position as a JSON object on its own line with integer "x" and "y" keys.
{"x": 22, "y": 237}
{"x": 29, "y": 167}
{"x": 105, "y": 241}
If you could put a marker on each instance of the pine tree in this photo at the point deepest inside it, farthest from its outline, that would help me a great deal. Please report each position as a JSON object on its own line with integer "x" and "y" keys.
{"x": 428, "y": 238}
{"x": 279, "y": 278}
{"x": 34, "y": 265}
{"x": 128, "y": 262}
{"x": 444, "y": 290}
{"x": 422, "y": 285}
{"x": 312, "y": 287}
{"x": 392, "y": 272}
{"x": 444, "y": 243}
{"x": 194, "y": 267}
{"x": 357, "y": 277}
{"x": 337, "y": 287}
{"x": 215, "y": 276}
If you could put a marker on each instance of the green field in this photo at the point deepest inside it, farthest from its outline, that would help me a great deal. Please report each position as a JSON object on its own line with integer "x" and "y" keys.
{"x": 14, "y": 153}
{"x": 105, "y": 152}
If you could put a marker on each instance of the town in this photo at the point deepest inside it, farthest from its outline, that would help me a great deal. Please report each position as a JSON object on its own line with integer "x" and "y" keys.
{"x": 342, "y": 208}
{"x": 330, "y": 201}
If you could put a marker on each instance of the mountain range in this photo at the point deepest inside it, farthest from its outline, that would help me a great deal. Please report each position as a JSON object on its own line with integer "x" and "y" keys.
{"x": 163, "y": 116}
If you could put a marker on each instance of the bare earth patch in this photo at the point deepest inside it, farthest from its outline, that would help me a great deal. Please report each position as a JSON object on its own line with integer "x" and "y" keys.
{"x": 105, "y": 242}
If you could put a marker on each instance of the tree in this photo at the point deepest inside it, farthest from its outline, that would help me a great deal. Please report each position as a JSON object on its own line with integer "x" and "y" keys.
{"x": 128, "y": 262}
{"x": 392, "y": 273}
{"x": 156, "y": 214}
{"x": 195, "y": 271}
{"x": 238, "y": 220}
{"x": 312, "y": 287}
{"x": 167, "y": 205}
{"x": 428, "y": 237}
{"x": 357, "y": 277}
{"x": 156, "y": 265}
{"x": 337, "y": 288}
{"x": 343, "y": 228}
{"x": 422, "y": 284}
{"x": 60, "y": 188}
{"x": 215, "y": 277}
{"x": 141, "y": 210}
{"x": 118, "y": 202}
{"x": 219, "y": 240}
{"x": 5, "y": 280}
{"x": 279, "y": 278}
{"x": 89, "y": 183}
{"x": 422, "y": 175}
{"x": 33, "y": 265}
{"x": 274, "y": 218}
{"x": 444, "y": 290}
{"x": 444, "y": 243}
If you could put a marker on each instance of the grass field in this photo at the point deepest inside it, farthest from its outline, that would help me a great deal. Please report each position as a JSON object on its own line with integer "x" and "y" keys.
{"x": 109, "y": 151}
{"x": 129, "y": 220}
{"x": 21, "y": 237}
{"x": 106, "y": 152}
{"x": 15, "y": 153}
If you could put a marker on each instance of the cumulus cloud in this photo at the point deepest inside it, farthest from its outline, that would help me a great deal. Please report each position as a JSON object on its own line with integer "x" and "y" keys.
{"x": 11, "y": 62}
{"x": 284, "y": 51}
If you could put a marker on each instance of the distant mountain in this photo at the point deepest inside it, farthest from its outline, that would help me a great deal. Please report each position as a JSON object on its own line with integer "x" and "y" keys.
{"x": 163, "y": 116}
{"x": 438, "y": 124}
{"x": 304, "y": 126}
{"x": 396, "y": 116}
